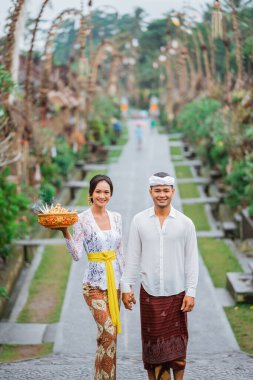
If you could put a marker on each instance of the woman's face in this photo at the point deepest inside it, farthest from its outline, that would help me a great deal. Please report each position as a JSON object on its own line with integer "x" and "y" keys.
{"x": 102, "y": 194}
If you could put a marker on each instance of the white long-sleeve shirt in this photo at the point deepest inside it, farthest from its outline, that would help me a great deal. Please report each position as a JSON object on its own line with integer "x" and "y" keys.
{"x": 165, "y": 257}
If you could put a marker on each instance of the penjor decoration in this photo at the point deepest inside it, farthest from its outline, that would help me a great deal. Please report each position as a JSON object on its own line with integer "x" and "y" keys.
{"x": 217, "y": 25}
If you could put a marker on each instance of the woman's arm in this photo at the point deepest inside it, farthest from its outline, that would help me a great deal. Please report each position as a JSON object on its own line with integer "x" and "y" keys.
{"x": 75, "y": 243}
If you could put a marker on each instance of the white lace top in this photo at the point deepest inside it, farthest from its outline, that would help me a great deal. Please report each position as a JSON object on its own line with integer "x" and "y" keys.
{"x": 88, "y": 237}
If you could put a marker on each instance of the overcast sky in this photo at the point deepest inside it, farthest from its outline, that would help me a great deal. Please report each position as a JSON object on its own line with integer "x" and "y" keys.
{"x": 155, "y": 8}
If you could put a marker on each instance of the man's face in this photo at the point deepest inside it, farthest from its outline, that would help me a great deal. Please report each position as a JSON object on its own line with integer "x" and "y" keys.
{"x": 162, "y": 195}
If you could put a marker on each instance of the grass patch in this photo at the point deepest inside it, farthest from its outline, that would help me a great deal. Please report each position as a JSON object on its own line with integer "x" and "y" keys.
{"x": 197, "y": 213}
{"x": 122, "y": 140}
{"x": 174, "y": 138}
{"x": 114, "y": 154}
{"x": 82, "y": 195}
{"x": 241, "y": 320}
{"x": 183, "y": 172}
{"x": 161, "y": 129}
{"x": 188, "y": 190}
{"x": 124, "y": 137}
{"x": 219, "y": 260}
{"x": 47, "y": 289}
{"x": 175, "y": 150}
{"x": 12, "y": 353}
{"x": 92, "y": 173}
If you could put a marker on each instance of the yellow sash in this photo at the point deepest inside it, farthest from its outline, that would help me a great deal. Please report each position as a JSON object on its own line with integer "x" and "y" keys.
{"x": 107, "y": 257}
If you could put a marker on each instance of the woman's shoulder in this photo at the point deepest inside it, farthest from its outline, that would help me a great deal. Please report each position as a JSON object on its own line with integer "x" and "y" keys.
{"x": 84, "y": 215}
{"x": 115, "y": 215}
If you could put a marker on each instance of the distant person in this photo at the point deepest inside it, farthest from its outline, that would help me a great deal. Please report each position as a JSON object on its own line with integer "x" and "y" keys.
{"x": 98, "y": 234}
{"x": 117, "y": 128}
{"x": 138, "y": 136}
{"x": 152, "y": 125}
{"x": 162, "y": 251}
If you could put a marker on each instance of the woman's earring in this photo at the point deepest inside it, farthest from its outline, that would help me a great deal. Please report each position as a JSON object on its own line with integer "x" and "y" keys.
{"x": 89, "y": 201}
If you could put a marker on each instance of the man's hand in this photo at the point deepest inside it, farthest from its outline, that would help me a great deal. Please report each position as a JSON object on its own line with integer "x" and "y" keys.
{"x": 188, "y": 304}
{"x": 128, "y": 300}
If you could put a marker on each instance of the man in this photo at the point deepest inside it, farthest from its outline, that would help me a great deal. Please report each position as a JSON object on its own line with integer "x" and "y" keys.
{"x": 162, "y": 247}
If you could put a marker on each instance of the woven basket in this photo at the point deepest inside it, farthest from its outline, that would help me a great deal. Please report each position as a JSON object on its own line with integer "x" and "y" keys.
{"x": 57, "y": 220}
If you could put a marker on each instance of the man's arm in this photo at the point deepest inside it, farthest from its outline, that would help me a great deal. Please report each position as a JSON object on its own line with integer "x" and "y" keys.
{"x": 131, "y": 271}
{"x": 191, "y": 269}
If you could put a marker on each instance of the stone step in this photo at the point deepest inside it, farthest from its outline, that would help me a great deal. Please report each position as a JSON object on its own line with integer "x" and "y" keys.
{"x": 188, "y": 163}
{"x": 175, "y": 157}
{"x": 76, "y": 184}
{"x": 38, "y": 242}
{"x": 27, "y": 333}
{"x": 80, "y": 209}
{"x": 176, "y": 135}
{"x": 211, "y": 234}
{"x": 240, "y": 285}
{"x": 114, "y": 147}
{"x": 90, "y": 167}
{"x": 197, "y": 180}
{"x": 207, "y": 200}
{"x": 175, "y": 143}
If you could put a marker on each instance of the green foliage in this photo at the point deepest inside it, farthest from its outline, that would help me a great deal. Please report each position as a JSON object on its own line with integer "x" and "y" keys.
{"x": 104, "y": 109}
{"x": 64, "y": 158}
{"x": 216, "y": 143}
{"x": 219, "y": 260}
{"x": 191, "y": 119}
{"x": 51, "y": 173}
{"x": 100, "y": 120}
{"x": 3, "y": 293}
{"x": 249, "y": 179}
{"x": 14, "y": 208}
{"x": 238, "y": 180}
{"x": 47, "y": 192}
{"x": 64, "y": 42}
{"x": 150, "y": 41}
{"x": 6, "y": 83}
{"x": 98, "y": 129}
{"x": 163, "y": 117}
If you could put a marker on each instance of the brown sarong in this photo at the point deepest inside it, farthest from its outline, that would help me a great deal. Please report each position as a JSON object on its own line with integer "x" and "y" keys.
{"x": 164, "y": 331}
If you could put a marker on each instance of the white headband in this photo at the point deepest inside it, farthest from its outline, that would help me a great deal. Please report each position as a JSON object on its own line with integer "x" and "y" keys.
{"x": 165, "y": 181}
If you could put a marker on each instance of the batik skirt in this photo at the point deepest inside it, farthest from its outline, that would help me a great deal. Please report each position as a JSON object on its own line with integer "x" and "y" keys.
{"x": 164, "y": 331}
{"x": 105, "y": 362}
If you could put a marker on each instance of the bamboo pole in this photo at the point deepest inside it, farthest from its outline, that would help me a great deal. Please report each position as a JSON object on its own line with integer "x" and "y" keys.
{"x": 28, "y": 89}
{"x": 206, "y": 60}
{"x": 238, "y": 43}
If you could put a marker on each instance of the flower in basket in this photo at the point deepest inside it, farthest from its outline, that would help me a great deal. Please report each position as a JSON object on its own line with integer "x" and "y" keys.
{"x": 55, "y": 216}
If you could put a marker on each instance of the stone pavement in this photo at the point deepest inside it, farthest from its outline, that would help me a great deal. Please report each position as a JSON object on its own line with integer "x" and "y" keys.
{"x": 222, "y": 366}
{"x": 213, "y": 351}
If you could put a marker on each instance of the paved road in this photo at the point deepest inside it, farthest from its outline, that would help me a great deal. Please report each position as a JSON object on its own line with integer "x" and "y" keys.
{"x": 213, "y": 351}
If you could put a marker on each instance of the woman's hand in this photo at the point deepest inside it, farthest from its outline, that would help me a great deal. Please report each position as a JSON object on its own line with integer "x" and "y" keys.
{"x": 64, "y": 231}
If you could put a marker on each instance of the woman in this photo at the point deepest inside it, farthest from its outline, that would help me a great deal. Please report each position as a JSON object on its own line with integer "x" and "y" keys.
{"x": 98, "y": 233}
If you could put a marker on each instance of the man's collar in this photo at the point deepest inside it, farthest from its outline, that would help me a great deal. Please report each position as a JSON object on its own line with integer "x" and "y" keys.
{"x": 172, "y": 212}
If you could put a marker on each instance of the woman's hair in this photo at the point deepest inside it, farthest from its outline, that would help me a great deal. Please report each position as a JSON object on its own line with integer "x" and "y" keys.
{"x": 95, "y": 180}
